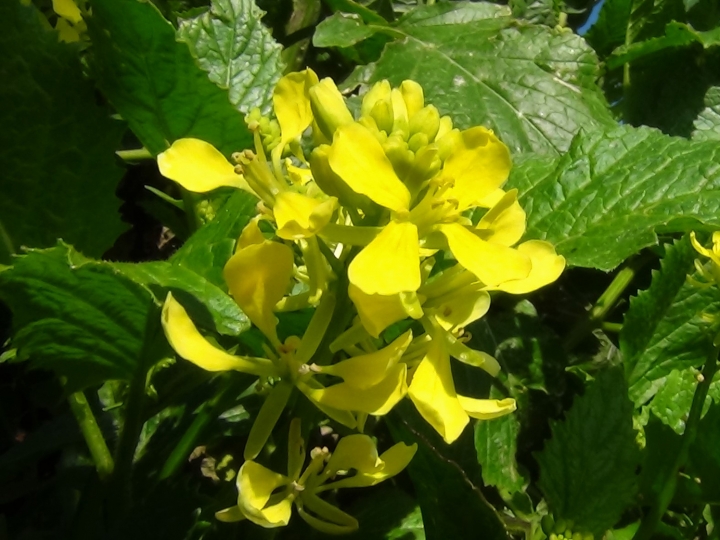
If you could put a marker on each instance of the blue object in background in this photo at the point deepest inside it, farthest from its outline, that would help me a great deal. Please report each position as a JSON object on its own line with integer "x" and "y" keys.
{"x": 591, "y": 19}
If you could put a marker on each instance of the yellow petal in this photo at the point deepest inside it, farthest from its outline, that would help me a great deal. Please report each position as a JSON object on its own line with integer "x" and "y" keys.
{"x": 378, "y": 399}
{"x": 711, "y": 253}
{"x": 291, "y": 101}
{"x": 250, "y": 235}
{"x": 367, "y": 370}
{"x": 198, "y": 166}
{"x": 393, "y": 460}
{"x": 390, "y": 264}
{"x": 487, "y": 409}
{"x": 377, "y": 311}
{"x": 255, "y": 485}
{"x": 184, "y": 337}
{"x": 67, "y": 33}
{"x": 457, "y": 349}
{"x": 504, "y": 223}
{"x": 330, "y": 519}
{"x": 346, "y": 418}
{"x": 355, "y": 451}
{"x": 459, "y": 307}
{"x": 267, "y": 418}
{"x": 380, "y": 90}
{"x": 546, "y": 267}
{"x": 358, "y": 158}
{"x": 328, "y": 107}
{"x": 67, "y": 9}
{"x": 298, "y": 175}
{"x": 230, "y": 515}
{"x": 258, "y": 277}
{"x": 299, "y": 216}
{"x": 479, "y": 166}
{"x": 412, "y": 94}
{"x": 432, "y": 390}
{"x": 400, "y": 112}
{"x": 491, "y": 263}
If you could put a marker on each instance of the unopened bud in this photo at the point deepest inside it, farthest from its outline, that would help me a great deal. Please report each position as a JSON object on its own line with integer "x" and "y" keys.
{"x": 417, "y": 141}
{"x": 379, "y": 91}
{"x": 396, "y": 149}
{"x": 328, "y": 107}
{"x": 412, "y": 93}
{"x": 400, "y": 114}
{"x": 446, "y": 126}
{"x": 447, "y": 143}
{"x": 548, "y": 524}
{"x": 382, "y": 113}
{"x": 427, "y": 121}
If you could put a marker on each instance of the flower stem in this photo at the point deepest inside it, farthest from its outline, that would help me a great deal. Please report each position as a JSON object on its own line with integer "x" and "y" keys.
{"x": 92, "y": 434}
{"x": 669, "y": 475}
{"x": 140, "y": 154}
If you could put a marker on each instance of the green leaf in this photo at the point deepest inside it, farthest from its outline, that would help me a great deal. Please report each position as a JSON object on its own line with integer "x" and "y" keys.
{"x": 208, "y": 304}
{"x": 587, "y": 468}
{"x": 676, "y": 35}
{"x": 665, "y": 328}
{"x": 154, "y": 82}
{"x": 535, "y": 86}
{"x": 536, "y": 11}
{"x": 704, "y": 459}
{"x": 672, "y": 402}
{"x": 84, "y": 321}
{"x": 237, "y": 51}
{"x": 609, "y": 30}
{"x": 341, "y": 30}
{"x": 626, "y": 184}
{"x": 707, "y": 124}
{"x": 57, "y": 145}
{"x": 496, "y": 445}
{"x": 207, "y": 251}
{"x": 443, "y": 477}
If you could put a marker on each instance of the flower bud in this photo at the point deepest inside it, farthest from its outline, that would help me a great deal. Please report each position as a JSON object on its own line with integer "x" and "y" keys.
{"x": 448, "y": 142}
{"x": 328, "y": 107}
{"x": 396, "y": 149}
{"x": 400, "y": 114}
{"x": 425, "y": 165}
{"x": 427, "y": 121}
{"x": 412, "y": 93}
{"x": 417, "y": 141}
{"x": 446, "y": 126}
{"x": 382, "y": 113}
{"x": 379, "y": 91}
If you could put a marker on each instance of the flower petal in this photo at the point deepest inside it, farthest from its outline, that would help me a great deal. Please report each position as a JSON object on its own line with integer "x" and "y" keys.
{"x": 328, "y": 107}
{"x": 230, "y": 515}
{"x": 547, "y": 266}
{"x": 460, "y": 307}
{"x": 432, "y": 390}
{"x": 487, "y": 409}
{"x": 479, "y": 165}
{"x": 377, "y": 311}
{"x": 358, "y": 158}
{"x": 255, "y": 485}
{"x": 504, "y": 223}
{"x": 394, "y": 460}
{"x": 291, "y": 101}
{"x": 378, "y": 399}
{"x": 258, "y": 277}
{"x": 266, "y": 419}
{"x": 299, "y": 216}
{"x": 367, "y": 370}
{"x": 334, "y": 520}
{"x": 67, "y": 9}
{"x": 185, "y": 339}
{"x": 357, "y": 451}
{"x": 491, "y": 263}
{"x": 198, "y": 166}
{"x": 390, "y": 264}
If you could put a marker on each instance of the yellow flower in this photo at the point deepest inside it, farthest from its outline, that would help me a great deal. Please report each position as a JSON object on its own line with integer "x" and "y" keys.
{"x": 432, "y": 389}
{"x": 266, "y": 497}
{"x": 70, "y": 24}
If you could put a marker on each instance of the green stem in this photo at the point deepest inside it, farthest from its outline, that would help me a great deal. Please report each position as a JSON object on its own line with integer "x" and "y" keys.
{"x": 92, "y": 434}
{"x": 210, "y": 411}
{"x": 189, "y": 203}
{"x": 604, "y": 304}
{"x": 6, "y": 243}
{"x": 668, "y": 476}
{"x": 614, "y": 327}
{"x": 141, "y": 154}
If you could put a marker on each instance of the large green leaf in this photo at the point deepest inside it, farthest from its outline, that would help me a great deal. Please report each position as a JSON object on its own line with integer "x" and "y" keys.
{"x": 56, "y": 144}
{"x": 207, "y": 251}
{"x": 237, "y": 51}
{"x": 154, "y": 82}
{"x": 609, "y": 30}
{"x": 707, "y": 124}
{"x": 672, "y": 402}
{"x": 85, "y": 322}
{"x": 626, "y": 184}
{"x": 342, "y": 30}
{"x": 535, "y": 86}
{"x": 587, "y": 468}
{"x": 665, "y": 328}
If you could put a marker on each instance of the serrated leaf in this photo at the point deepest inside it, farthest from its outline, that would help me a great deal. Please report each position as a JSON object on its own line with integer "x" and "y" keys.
{"x": 672, "y": 402}
{"x": 535, "y": 86}
{"x": 496, "y": 445}
{"x": 625, "y": 184}
{"x": 57, "y": 145}
{"x": 237, "y": 51}
{"x": 207, "y": 251}
{"x": 707, "y": 124}
{"x": 587, "y": 468}
{"x": 208, "y": 305}
{"x": 536, "y": 11}
{"x": 154, "y": 82}
{"x": 608, "y": 32}
{"x": 341, "y": 30}
{"x": 443, "y": 478}
{"x": 665, "y": 328}
{"x": 704, "y": 459}
{"x": 85, "y": 322}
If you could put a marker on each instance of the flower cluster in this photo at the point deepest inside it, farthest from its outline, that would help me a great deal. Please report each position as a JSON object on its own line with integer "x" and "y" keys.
{"x": 388, "y": 213}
